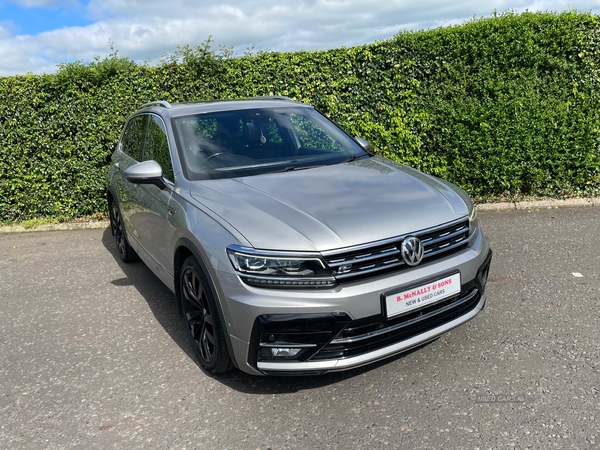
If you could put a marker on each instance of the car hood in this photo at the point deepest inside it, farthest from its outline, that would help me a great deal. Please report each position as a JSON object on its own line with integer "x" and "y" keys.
{"x": 331, "y": 207}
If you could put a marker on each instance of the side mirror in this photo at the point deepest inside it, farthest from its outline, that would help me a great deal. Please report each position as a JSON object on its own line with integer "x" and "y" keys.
{"x": 363, "y": 143}
{"x": 147, "y": 172}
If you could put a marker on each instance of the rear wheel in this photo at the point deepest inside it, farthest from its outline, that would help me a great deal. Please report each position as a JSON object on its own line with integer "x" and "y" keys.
{"x": 126, "y": 252}
{"x": 203, "y": 320}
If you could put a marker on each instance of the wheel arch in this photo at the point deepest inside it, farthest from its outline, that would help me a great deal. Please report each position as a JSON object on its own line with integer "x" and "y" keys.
{"x": 184, "y": 249}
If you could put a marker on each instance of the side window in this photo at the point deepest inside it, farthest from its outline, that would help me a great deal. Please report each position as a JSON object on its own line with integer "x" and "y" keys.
{"x": 312, "y": 136}
{"x": 133, "y": 137}
{"x": 157, "y": 147}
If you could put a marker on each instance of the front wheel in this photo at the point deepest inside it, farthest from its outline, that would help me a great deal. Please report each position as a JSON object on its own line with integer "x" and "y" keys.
{"x": 203, "y": 320}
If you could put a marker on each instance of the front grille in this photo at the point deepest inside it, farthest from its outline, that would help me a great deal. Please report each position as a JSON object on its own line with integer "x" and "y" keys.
{"x": 384, "y": 256}
{"x": 370, "y": 334}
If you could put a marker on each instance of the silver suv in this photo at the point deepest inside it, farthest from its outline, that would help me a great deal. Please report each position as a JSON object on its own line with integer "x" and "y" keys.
{"x": 289, "y": 246}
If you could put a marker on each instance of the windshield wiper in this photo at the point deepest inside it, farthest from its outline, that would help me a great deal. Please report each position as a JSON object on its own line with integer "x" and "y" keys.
{"x": 293, "y": 169}
{"x": 355, "y": 157}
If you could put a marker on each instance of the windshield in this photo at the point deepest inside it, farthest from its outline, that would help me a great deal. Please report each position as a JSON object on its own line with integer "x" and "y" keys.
{"x": 255, "y": 141}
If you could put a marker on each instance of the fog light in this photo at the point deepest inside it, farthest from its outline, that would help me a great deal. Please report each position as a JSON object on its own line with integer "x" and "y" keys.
{"x": 282, "y": 352}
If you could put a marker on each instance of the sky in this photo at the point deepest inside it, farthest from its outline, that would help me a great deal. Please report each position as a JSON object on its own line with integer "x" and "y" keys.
{"x": 36, "y": 35}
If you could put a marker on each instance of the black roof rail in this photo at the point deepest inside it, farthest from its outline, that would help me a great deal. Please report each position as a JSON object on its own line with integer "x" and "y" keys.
{"x": 162, "y": 103}
{"x": 271, "y": 97}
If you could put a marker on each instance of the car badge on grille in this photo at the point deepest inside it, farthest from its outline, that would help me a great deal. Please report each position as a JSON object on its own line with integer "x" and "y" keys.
{"x": 412, "y": 250}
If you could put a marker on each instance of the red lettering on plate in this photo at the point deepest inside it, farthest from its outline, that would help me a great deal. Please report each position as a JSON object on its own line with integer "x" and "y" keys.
{"x": 445, "y": 282}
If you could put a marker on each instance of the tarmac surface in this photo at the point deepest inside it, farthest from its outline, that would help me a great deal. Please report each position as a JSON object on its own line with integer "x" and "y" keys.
{"x": 93, "y": 355}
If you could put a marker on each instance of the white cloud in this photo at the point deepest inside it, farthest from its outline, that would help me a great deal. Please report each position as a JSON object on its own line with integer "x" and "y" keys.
{"x": 144, "y": 29}
{"x": 5, "y": 30}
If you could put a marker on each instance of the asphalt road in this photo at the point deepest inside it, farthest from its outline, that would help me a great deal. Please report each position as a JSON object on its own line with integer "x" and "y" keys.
{"x": 93, "y": 355}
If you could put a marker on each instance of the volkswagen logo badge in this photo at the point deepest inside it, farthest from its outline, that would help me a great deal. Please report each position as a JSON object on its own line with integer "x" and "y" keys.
{"x": 412, "y": 251}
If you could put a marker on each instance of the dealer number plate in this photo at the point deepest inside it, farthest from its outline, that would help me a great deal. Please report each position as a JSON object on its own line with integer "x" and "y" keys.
{"x": 423, "y": 295}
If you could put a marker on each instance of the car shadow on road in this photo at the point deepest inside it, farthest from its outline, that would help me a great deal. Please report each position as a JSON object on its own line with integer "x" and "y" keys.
{"x": 162, "y": 304}
{"x": 159, "y": 298}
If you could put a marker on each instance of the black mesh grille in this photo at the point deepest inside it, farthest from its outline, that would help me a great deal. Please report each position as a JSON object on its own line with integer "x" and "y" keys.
{"x": 369, "y": 334}
{"x": 385, "y": 256}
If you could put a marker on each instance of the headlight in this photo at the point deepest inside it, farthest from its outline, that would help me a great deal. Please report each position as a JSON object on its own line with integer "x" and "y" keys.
{"x": 278, "y": 269}
{"x": 473, "y": 221}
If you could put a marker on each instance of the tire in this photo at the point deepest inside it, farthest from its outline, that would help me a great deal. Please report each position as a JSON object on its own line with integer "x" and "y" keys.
{"x": 126, "y": 252}
{"x": 202, "y": 319}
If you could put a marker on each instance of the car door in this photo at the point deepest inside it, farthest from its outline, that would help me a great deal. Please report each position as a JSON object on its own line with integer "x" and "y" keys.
{"x": 158, "y": 229}
{"x": 152, "y": 214}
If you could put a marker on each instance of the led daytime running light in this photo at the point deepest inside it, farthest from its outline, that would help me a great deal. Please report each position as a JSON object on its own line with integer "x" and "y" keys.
{"x": 279, "y": 269}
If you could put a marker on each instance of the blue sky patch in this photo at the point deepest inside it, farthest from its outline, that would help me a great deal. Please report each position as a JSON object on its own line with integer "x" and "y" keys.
{"x": 37, "y": 20}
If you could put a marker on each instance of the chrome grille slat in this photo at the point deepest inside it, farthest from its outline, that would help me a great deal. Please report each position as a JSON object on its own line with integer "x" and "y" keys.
{"x": 363, "y": 260}
{"x": 437, "y": 252}
{"x": 444, "y": 237}
{"x": 354, "y": 273}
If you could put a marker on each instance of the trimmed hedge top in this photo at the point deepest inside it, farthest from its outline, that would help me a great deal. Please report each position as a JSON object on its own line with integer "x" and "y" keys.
{"x": 505, "y": 106}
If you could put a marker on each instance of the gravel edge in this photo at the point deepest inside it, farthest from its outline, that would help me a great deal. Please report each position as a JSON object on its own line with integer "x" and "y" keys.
{"x": 66, "y": 226}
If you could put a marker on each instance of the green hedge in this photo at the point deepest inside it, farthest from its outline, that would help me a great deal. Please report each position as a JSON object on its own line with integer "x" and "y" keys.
{"x": 506, "y": 106}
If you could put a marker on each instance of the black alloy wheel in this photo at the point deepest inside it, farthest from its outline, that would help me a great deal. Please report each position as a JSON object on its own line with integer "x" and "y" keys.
{"x": 126, "y": 252}
{"x": 203, "y": 320}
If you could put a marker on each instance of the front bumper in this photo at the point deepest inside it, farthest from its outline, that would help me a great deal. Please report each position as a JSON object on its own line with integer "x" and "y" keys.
{"x": 346, "y": 328}
{"x": 370, "y": 356}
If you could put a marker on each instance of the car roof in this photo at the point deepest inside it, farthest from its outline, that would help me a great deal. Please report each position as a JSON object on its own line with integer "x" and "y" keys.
{"x": 182, "y": 109}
